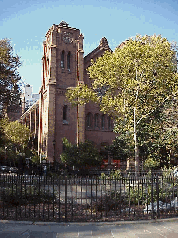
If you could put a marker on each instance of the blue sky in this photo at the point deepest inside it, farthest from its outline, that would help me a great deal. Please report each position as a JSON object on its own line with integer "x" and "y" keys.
{"x": 26, "y": 22}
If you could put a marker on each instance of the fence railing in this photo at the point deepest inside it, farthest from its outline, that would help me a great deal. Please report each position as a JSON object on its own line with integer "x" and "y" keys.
{"x": 43, "y": 198}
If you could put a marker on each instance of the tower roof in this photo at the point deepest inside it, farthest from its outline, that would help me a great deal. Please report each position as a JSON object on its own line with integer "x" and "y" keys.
{"x": 104, "y": 42}
{"x": 63, "y": 23}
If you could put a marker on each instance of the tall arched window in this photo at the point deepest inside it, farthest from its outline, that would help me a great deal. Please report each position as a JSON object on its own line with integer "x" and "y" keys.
{"x": 63, "y": 59}
{"x": 96, "y": 120}
{"x": 103, "y": 121}
{"x": 65, "y": 113}
{"x": 89, "y": 120}
{"x": 109, "y": 123}
{"x": 68, "y": 60}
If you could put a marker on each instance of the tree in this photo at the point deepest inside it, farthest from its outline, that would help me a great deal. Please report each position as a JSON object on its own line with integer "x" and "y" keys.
{"x": 9, "y": 76}
{"x": 81, "y": 156}
{"x": 130, "y": 83}
{"x": 157, "y": 139}
{"x": 157, "y": 135}
{"x": 17, "y": 133}
{"x": 14, "y": 139}
{"x": 122, "y": 148}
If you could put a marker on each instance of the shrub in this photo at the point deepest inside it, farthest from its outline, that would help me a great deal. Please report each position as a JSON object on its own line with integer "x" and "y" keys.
{"x": 116, "y": 174}
{"x": 83, "y": 155}
{"x": 141, "y": 194}
{"x": 15, "y": 196}
{"x": 151, "y": 163}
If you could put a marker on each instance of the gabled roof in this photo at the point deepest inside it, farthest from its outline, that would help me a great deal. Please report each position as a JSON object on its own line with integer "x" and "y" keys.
{"x": 103, "y": 46}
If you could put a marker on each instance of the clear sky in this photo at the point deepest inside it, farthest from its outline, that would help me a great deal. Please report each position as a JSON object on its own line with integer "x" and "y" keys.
{"x": 26, "y": 22}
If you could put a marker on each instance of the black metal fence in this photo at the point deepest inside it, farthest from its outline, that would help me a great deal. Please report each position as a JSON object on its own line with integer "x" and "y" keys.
{"x": 43, "y": 198}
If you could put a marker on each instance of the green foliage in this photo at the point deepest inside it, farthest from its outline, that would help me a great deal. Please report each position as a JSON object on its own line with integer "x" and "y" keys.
{"x": 141, "y": 194}
{"x": 17, "y": 195}
{"x": 14, "y": 139}
{"x": 142, "y": 75}
{"x": 157, "y": 134}
{"x": 116, "y": 174}
{"x": 16, "y": 133}
{"x": 168, "y": 171}
{"x": 122, "y": 147}
{"x": 35, "y": 158}
{"x": 9, "y": 76}
{"x": 151, "y": 163}
{"x": 83, "y": 155}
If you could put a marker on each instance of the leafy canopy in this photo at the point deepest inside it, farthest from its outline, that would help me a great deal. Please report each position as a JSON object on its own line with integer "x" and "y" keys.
{"x": 9, "y": 76}
{"x": 16, "y": 133}
{"x": 141, "y": 74}
{"x": 122, "y": 147}
{"x": 157, "y": 134}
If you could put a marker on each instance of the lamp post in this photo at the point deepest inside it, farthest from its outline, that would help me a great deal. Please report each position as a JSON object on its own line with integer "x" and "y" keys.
{"x": 54, "y": 160}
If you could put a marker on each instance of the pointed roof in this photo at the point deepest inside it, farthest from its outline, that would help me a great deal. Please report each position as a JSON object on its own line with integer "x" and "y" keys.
{"x": 102, "y": 47}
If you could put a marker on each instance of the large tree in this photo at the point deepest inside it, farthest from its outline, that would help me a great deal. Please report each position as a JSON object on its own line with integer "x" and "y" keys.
{"x": 14, "y": 139}
{"x": 157, "y": 134}
{"x": 17, "y": 133}
{"x": 9, "y": 76}
{"x": 131, "y": 82}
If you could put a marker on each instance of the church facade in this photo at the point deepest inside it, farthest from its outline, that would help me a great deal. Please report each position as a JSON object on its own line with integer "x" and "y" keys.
{"x": 52, "y": 117}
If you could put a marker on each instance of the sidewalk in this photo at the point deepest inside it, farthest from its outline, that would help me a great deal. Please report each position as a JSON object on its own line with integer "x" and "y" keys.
{"x": 166, "y": 228}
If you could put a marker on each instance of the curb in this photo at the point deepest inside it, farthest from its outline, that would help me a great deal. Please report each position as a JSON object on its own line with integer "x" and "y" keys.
{"x": 88, "y": 223}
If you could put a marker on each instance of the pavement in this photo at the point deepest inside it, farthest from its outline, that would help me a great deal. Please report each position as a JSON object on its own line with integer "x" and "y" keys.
{"x": 164, "y": 228}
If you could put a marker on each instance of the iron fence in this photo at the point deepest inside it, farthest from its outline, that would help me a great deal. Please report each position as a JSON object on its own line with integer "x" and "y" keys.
{"x": 43, "y": 198}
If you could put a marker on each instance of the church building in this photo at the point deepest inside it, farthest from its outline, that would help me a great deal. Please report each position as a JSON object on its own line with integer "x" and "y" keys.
{"x": 52, "y": 117}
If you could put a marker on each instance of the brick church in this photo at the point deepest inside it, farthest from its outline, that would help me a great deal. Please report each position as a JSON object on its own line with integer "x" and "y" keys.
{"x": 52, "y": 117}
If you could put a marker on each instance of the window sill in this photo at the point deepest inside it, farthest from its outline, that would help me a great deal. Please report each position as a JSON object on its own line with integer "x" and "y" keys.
{"x": 65, "y": 122}
{"x": 89, "y": 128}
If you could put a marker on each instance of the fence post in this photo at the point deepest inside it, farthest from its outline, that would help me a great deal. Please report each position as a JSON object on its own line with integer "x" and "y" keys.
{"x": 96, "y": 196}
{"x": 59, "y": 189}
{"x": 91, "y": 195}
{"x": 65, "y": 198}
{"x": 152, "y": 201}
{"x": 157, "y": 190}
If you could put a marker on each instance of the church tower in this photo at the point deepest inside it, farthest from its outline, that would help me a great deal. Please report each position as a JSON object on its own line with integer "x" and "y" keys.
{"x": 63, "y": 67}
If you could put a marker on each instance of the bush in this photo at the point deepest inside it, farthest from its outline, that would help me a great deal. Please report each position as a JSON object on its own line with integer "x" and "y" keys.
{"x": 116, "y": 174}
{"x": 17, "y": 195}
{"x": 142, "y": 197}
{"x": 140, "y": 194}
{"x": 83, "y": 155}
{"x": 168, "y": 171}
{"x": 151, "y": 163}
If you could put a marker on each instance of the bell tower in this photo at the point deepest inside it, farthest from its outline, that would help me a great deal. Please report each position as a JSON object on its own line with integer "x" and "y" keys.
{"x": 63, "y": 66}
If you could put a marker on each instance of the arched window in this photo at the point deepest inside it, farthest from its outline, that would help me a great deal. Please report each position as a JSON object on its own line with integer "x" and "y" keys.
{"x": 63, "y": 59}
{"x": 109, "y": 123}
{"x": 103, "y": 121}
{"x": 68, "y": 60}
{"x": 65, "y": 113}
{"x": 96, "y": 120}
{"x": 89, "y": 120}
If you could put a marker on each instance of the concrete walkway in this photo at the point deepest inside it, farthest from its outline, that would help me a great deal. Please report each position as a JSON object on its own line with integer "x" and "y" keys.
{"x": 165, "y": 228}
